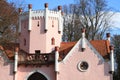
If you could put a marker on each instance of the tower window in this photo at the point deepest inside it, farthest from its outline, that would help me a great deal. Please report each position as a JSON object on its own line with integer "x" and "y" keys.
{"x": 24, "y": 42}
{"x": 38, "y": 24}
{"x": 52, "y": 23}
{"x": 53, "y": 41}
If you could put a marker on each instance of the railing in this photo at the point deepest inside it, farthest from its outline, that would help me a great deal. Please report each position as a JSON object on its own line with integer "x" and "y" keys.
{"x": 36, "y": 59}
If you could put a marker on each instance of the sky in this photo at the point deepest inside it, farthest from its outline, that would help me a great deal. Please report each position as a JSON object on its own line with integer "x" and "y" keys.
{"x": 39, "y": 4}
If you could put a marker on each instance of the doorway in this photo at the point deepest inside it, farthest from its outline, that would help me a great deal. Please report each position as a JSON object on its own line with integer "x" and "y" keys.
{"x": 37, "y": 76}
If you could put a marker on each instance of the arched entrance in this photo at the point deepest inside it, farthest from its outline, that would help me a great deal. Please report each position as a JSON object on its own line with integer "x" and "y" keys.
{"x": 37, "y": 76}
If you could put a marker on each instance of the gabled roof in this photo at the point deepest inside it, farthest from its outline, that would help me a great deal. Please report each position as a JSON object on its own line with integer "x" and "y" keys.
{"x": 65, "y": 47}
{"x": 102, "y": 46}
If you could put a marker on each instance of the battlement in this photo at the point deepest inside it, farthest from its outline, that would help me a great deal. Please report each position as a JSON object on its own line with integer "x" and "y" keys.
{"x": 41, "y": 13}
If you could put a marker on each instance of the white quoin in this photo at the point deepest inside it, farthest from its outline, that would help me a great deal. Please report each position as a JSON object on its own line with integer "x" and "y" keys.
{"x": 60, "y": 19}
{"x": 83, "y": 43}
{"x": 112, "y": 58}
{"x": 20, "y": 12}
{"x": 61, "y": 25}
{"x": 56, "y": 61}
{"x": 30, "y": 20}
{"x": 19, "y": 30}
{"x": 46, "y": 16}
{"x": 15, "y": 61}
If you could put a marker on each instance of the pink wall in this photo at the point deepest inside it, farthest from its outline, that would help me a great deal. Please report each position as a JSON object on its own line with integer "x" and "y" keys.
{"x": 24, "y": 72}
{"x": 24, "y": 35}
{"x": 6, "y": 71}
{"x": 52, "y": 32}
{"x": 39, "y": 40}
{"x": 96, "y": 71}
{"x": 37, "y": 36}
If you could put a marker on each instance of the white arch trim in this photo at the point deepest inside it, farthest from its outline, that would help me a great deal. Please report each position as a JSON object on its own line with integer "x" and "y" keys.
{"x": 26, "y": 78}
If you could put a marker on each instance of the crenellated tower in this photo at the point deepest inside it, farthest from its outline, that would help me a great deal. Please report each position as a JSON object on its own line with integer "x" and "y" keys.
{"x": 40, "y": 30}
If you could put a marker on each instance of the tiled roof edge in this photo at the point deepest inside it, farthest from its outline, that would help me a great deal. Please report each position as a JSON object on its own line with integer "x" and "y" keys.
{"x": 70, "y": 52}
{"x": 94, "y": 50}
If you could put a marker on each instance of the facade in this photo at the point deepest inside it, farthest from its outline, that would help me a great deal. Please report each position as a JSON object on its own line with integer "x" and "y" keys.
{"x": 41, "y": 54}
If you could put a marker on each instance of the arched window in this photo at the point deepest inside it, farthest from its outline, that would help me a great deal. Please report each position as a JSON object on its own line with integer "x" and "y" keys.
{"x": 37, "y": 76}
{"x": 53, "y": 41}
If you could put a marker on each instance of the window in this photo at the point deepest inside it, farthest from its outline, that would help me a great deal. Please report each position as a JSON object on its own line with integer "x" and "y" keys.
{"x": 37, "y": 54}
{"x": 37, "y": 51}
{"x": 38, "y": 24}
{"x": 83, "y": 66}
{"x": 52, "y": 23}
{"x": 24, "y": 42}
{"x": 53, "y": 41}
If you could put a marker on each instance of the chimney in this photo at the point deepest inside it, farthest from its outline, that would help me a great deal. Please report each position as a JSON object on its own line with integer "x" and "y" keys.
{"x": 29, "y": 6}
{"x": 56, "y": 59}
{"x": 20, "y": 10}
{"x": 83, "y": 40}
{"x": 59, "y": 8}
{"x": 108, "y": 36}
{"x": 112, "y": 59}
{"x": 46, "y": 5}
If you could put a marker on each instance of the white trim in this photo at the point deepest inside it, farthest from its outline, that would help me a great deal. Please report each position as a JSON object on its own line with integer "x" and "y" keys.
{"x": 15, "y": 61}
{"x": 59, "y": 22}
{"x": 26, "y": 78}
{"x": 83, "y": 43}
{"x": 19, "y": 30}
{"x": 30, "y": 22}
{"x": 71, "y": 52}
{"x": 56, "y": 61}
{"x": 112, "y": 60}
{"x": 46, "y": 13}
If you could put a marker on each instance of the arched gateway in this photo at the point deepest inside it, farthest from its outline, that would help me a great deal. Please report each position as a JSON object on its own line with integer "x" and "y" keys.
{"x": 37, "y": 76}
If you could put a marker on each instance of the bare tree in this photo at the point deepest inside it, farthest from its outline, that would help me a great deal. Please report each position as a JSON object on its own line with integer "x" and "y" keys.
{"x": 93, "y": 15}
{"x": 9, "y": 21}
{"x": 72, "y": 28}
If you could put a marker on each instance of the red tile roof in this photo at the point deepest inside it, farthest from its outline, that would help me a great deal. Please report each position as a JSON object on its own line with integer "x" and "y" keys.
{"x": 102, "y": 46}
{"x": 65, "y": 47}
{"x": 9, "y": 49}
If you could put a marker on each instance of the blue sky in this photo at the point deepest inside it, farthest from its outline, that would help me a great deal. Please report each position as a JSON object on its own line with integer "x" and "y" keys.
{"x": 115, "y": 4}
{"x": 39, "y": 4}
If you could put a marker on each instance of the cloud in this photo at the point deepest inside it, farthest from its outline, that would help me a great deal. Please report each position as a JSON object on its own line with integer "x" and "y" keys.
{"x": 115, "y": 19}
